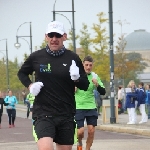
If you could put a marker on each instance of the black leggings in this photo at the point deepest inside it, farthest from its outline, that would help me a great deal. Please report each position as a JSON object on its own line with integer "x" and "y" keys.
{"x": 11, "y": 115}
{"x": 0, "y": 117}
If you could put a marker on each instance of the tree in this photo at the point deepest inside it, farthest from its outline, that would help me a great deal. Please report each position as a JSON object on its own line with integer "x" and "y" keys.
{"x": 25, "y": 56}
{"x": 120, "y": 58}
{"x": 70, "y": 38}
{"x": 43, "y": 45}
{"x": 126, "y": 64}
{"x": 85, "y": 41}
{"x": 15, "y": 85}
{"x": 3, "y": 75}
{"x": 100, "y": 54}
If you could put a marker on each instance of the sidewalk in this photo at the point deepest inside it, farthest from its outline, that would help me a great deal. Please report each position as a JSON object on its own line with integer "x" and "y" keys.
{"x": 121, "y": 126}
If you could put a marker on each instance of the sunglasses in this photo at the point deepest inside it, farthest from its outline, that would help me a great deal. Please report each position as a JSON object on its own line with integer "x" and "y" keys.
{"x": 52, "y": 34}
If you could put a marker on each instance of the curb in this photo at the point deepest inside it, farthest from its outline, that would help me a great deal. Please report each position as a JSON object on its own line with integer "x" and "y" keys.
{"x": 130, "y": 130}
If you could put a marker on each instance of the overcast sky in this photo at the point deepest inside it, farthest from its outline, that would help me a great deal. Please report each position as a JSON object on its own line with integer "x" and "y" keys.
{"x": 13, "y": 13}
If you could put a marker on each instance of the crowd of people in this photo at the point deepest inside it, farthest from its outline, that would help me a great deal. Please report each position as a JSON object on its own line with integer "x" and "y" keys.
{"x": 135, "y": 99}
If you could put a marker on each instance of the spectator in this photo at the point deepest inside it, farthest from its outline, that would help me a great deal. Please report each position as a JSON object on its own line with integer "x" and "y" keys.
{"x": 120, "y": 100}
{"x": 11, "y": 100}
{"x": 2, "y": 103}
{"x": 130, "y": 104}
{"x": 141, "y": 102}
{"x": 134, "y": 88}
{"x": 148, "y": 100}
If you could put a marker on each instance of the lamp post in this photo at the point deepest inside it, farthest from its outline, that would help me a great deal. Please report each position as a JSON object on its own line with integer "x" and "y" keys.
{"x": 112, "y": 99}
{"x": 54, "y": 11}
{"x": 73, "y": 22}
{"x": 17, "y": 44}
{"x": 69, "y": 23}
{"x": 66, "y": 18}
{"x": 7, "y": 71}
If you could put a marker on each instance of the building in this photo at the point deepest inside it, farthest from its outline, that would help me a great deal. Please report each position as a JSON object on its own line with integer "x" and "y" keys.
{"x": 139, "y": 42}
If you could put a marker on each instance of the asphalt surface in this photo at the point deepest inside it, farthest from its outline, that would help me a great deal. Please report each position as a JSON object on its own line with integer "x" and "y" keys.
{"x": 22, "y": 132}
{"x": 20, "y": 137}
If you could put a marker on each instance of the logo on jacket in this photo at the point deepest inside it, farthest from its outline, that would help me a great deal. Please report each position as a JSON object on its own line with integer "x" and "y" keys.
{"x": 45, "y": 68}
{"x": 64, "y": 64}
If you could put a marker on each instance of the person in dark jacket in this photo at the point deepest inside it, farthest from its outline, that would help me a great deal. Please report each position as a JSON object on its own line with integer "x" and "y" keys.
{"x": 2, "y": 103}
{"x": 57, "y": 72}
{"x": 131, "y": 102}
{"x": 147, "y": 101}
{"x": 134, "y": 89}
{"x": 141, "y": 102}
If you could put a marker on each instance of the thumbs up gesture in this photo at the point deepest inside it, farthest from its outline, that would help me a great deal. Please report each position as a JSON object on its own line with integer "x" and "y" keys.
{"x": 94, "y": 75}
{"x": 94, "y": 80}
{"x": 74, "y": 71}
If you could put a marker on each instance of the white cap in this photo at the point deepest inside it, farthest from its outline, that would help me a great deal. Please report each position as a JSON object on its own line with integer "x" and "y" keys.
{"x": 55, "y": 26}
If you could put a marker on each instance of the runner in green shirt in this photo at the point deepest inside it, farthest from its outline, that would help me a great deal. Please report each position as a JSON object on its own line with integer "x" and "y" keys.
{"x": 86, "y": 106}
{"x": 30, "y": 100}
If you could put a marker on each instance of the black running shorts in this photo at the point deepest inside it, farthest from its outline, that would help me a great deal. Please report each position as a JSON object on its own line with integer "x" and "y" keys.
{"x": 90, "y": 115}
{"x": 61, "y": 129}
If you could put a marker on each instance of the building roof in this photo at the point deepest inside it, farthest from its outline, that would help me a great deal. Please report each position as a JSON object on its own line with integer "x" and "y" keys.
{"x": 138, "y": 40}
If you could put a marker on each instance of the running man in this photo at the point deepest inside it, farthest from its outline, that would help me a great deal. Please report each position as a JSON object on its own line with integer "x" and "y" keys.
{"x": 57, "y": 72}
{"x": 29, "y": 100}
{"x": 86, "y": 106}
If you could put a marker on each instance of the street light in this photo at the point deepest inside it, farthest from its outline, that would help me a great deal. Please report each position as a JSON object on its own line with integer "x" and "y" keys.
{"x": 54, "y": 10}
{"x": 18, "y": 45}
{"x": 112, "y": 93}
{"x": 73, "y": 21}
{"x": 7, "y": 71}
{"x": 69, "y": 23}
{"x": 66, "y": 18}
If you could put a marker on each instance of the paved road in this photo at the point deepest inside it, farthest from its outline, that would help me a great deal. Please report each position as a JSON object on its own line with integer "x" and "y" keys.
{"x": 23, "y": 132}
{"x": 20, "y": 137}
